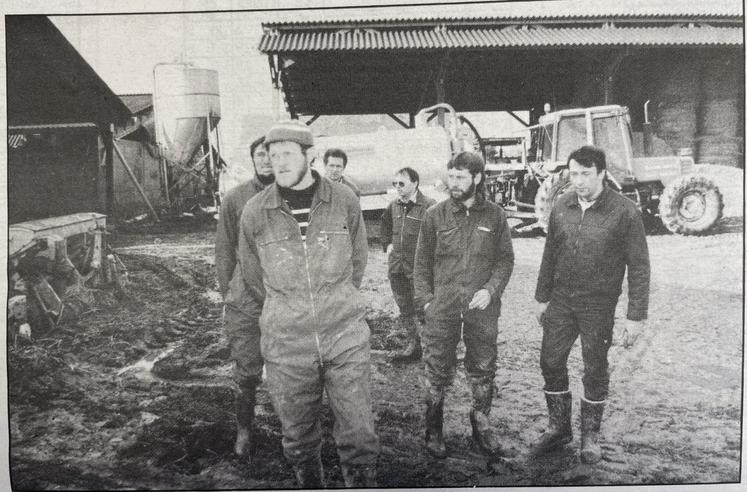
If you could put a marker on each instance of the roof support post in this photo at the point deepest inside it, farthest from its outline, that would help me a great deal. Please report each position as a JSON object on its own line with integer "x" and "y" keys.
{"x": 313, "y": 119}
{"x": 609, "y": 75}
{"x": 412, "y": 120}
{"x": 440, "y": 86}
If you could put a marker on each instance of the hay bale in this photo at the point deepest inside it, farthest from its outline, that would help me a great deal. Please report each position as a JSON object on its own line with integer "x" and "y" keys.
{"x": 719, "y": 117}
{"x": 676, "y": 110}
{"x": 721, "y": 150}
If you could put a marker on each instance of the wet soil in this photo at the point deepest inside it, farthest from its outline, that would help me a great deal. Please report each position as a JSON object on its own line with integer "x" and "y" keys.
{"x": 134, "y": 391}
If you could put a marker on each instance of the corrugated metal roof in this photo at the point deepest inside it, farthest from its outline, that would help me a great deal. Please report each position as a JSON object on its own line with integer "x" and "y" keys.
{"x": 511, "y": 11}
{"x": 419, "y": 39}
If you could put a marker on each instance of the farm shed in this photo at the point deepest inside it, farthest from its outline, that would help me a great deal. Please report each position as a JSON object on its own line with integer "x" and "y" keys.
{"x": 687, "y": 60}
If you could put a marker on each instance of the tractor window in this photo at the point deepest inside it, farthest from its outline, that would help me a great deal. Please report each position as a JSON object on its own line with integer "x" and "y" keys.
{"x": 571, "y": 135}
{"x": 608, "y": 136}
{"x": 540, "y": 148}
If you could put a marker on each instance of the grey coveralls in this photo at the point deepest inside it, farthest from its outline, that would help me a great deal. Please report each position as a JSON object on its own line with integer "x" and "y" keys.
{"x": 314, "y": 336}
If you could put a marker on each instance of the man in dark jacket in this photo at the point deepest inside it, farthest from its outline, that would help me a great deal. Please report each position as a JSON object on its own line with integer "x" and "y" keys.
{"x": 593, "y": 234}
{"x": 302, "y": 251}
{"x": 400, "y": 226}
{"x": 241, "y": 323}
{"x": 335, "y": 162}
{"x": 463, "y": 262}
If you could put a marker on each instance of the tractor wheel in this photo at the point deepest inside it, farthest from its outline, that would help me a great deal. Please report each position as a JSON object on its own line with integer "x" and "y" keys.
{"x": 551, "y": 188}
{"x": 691, "y": 204}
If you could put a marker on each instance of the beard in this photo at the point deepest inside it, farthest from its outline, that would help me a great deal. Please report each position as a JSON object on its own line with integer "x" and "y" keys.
{"x": 462, "y": 195}
{"x": 266, "y": 179}
{"x": 290, "y": 180}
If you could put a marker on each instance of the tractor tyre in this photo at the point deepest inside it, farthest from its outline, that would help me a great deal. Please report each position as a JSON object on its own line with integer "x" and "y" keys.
{"x": 691, "y": 205}
{"x": 551, "y": 188}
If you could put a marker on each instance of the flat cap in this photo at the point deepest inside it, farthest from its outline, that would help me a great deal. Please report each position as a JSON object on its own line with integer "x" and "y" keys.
{"x": 290, "y": 131}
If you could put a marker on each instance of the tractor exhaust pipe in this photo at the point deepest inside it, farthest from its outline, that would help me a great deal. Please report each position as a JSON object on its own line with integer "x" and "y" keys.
{"x": 648, "y": 133}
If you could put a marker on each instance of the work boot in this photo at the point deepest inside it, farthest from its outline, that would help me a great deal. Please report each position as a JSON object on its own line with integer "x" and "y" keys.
{"x": 310, "y": 474}
{"x": 359, "y": 476}
{"x": 559, "y": 431}
{"x": 591, "y": 421}
{"x": 245, "y": 401}
{"x": 483, "y": 434}
{"x": 434, "y": 422}
{"x": 412, "y": 351}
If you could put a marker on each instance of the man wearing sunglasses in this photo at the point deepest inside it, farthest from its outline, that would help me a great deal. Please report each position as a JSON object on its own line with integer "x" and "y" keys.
{"x": 400, "y": 226}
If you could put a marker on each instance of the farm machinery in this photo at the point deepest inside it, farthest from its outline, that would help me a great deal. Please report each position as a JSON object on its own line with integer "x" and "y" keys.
{"x": 49, "y": 263}
{"x": 665, "y": 188}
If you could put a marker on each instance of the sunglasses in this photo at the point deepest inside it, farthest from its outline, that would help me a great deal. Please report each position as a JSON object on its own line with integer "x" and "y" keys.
{"x": 398, "y": 184}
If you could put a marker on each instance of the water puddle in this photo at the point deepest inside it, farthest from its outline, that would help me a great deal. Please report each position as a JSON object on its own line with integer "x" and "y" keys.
{"x": 142, "y": 368}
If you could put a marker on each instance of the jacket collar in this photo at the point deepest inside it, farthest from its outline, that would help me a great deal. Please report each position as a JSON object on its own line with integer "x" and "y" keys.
{"x": 323, "y": 192}
{"x": 599, "y": 202}
{"x": 457, "y": 206}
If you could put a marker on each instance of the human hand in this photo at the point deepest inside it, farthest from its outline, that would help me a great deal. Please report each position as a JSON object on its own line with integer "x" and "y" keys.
{"x": 480, "y": 300}
{"x": 389, "y": 248}
{"x": 541, "y": 308}
{"x": 425, "y": 308}
{"x": 631, "y": 331}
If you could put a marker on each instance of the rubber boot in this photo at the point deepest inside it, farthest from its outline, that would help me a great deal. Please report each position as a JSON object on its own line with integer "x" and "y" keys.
{"x": 359, "y": 476}
{"x": 434, "y": 423}
{"x": 310, "y": 474}
{"x": 591, "y": 421}
{"x": 413, "y": 351}
{"x": 483, "y": 434}
{"x": 559, "y": 431}
{"x": 245, "y": 401}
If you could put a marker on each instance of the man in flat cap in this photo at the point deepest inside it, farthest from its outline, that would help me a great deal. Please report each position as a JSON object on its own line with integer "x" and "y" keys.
{"x": 302, "y": 251}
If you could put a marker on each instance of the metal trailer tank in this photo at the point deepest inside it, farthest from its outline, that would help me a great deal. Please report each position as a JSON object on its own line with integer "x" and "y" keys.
{"x": 186, "y": 107}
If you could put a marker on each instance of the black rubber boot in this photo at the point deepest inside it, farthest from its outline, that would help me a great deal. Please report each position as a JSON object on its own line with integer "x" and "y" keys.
{"x": 559, "y": 431}
{"x": 310, "y": 474}
{"x": 434, "y": 423}
{"x": 483, "y": 434}
{"x": 413, "y": 351}
{"x": 591, "y": 421}
{"x": 246, "y": 398}
{"x": 359, "y": 476}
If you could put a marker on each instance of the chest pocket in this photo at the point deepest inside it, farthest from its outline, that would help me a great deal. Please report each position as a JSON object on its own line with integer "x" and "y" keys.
{"x": 278, "y": 253}
{"x": 332, "y": 252}
{"x": 484, "y": 240}
{"x": 411, "y": 226}
{"x": 447, "y": 242}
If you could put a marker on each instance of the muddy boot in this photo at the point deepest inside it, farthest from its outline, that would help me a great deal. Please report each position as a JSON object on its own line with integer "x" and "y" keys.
{"x": 412, "y": 351}
{"x": 591, "y": 421}
{"x": 483, "y": 434}
{"x": 559, "y": 432}
{"x": 434, "y": 423}
{"x": 245, "y": 401}
{"x": 359, "y": 476}
{"x": 310, "y": 474}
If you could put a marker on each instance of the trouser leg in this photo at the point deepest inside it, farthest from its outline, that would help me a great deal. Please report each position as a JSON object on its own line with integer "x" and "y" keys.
{"x": 243, "y": 336}
{"x": 347, "y": 379}
{"x": 440, "y": 338}
{"x": 559, "y": 333}
{"x": 402, "y": 289}
{"x": 480, "y": 362}
{"x": 296, "y": 393}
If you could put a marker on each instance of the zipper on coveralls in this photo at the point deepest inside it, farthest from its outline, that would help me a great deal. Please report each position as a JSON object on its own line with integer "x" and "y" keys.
{"x": 308, "y": 279}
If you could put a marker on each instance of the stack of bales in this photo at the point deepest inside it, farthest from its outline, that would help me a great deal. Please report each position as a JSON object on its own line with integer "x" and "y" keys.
{"x": 677, "y": 102}
{"x": 719, "y": 122}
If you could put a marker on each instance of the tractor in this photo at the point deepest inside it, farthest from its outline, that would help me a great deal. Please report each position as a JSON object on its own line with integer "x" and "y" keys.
{"x": 665, "y": 188}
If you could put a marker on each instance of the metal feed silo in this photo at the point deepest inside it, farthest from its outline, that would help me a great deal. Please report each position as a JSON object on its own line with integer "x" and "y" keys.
{"x": 186, "y": 107}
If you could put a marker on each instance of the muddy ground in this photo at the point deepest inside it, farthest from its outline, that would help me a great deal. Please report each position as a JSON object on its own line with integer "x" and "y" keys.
{"x": 135, "y": 391}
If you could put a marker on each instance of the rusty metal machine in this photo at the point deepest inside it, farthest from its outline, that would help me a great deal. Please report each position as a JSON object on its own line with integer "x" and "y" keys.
{"x": 50, "y": 257}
